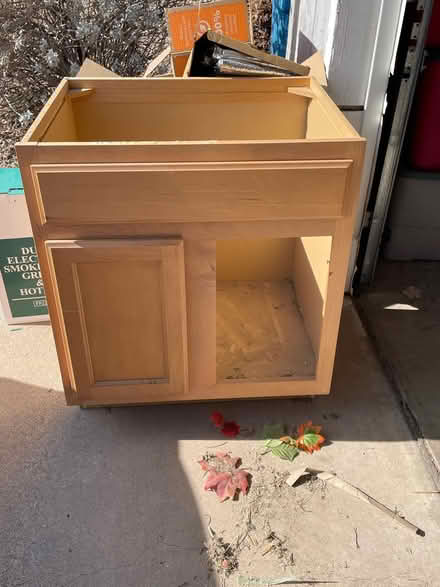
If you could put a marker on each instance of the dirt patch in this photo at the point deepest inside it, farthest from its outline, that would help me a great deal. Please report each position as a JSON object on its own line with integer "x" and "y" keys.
{"x": 255, "y": 542}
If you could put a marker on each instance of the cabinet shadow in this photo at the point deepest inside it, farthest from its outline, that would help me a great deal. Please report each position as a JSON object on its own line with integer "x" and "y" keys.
{"x": 95, "y": 497}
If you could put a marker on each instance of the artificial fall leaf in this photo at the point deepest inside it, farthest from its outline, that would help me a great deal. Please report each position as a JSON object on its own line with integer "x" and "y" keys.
{"x": 273, "y": 442}
{"x": 227, "y": 484}
{"x": 223, "y": 476}
{"x": 309, "y": 438}
{"x": 288, "y": 440}
{"x": 227, "y": 460}
{"x": 231, "y": 429}
{"x": 284, "y": 447}
{"x": 217, "y": 419}
{"x": 288, "y": 452}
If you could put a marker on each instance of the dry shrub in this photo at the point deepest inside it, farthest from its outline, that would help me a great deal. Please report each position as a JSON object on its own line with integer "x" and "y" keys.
{"x": 44, "y": 40}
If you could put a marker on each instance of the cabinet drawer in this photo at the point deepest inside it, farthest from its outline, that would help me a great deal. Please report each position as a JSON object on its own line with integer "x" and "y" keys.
{"x": 191, "y": 192}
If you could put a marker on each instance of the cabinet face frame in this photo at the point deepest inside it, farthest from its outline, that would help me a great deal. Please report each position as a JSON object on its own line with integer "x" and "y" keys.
{"x": 65, "y": 258}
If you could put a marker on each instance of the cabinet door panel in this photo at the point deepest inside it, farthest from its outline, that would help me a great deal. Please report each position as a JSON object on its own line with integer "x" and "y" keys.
{"x": 112, "y": 356}
{"x": 122, "y": 304}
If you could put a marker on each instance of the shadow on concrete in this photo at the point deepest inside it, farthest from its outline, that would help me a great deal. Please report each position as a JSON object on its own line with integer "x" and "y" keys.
{"x": 401, "y": 312}
{"x": 94, "y": 497}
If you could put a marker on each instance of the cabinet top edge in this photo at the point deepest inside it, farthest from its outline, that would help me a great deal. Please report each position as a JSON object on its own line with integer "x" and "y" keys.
{"x": 181, "y": 84}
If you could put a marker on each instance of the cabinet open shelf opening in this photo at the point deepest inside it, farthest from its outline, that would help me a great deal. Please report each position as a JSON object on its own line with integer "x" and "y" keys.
{"x": 270, "y": 306}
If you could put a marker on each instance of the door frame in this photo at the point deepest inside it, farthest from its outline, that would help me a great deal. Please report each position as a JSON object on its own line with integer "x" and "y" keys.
{"x": 388, "y": 173}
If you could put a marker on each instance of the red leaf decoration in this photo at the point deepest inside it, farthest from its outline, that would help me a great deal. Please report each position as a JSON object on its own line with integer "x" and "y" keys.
{"x": 223, "y": 476}
{"x": 231, "y": 429}
{"x": 204, "y": 464}
{"x": 309, "y": 438}
{"x": 217, "y": 419}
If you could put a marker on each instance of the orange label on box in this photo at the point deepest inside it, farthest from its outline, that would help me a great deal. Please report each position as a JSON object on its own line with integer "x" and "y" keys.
{"x": 226, "y": 18}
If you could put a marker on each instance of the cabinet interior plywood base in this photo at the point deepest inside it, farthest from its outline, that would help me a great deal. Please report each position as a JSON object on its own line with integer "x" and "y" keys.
{"x": 260, "y": 332}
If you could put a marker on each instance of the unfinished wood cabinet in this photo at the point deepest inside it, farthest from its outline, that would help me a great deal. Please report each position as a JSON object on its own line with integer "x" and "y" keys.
{"x": 193, "y": 235}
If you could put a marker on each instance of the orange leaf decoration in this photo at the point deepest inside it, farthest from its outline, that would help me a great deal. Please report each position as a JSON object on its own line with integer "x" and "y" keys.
{"x": 309, "y": 438}
{"x": 286, "y": 439}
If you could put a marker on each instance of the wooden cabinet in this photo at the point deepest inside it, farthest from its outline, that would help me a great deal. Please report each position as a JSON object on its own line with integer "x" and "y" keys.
{"x": 193, "y": 235}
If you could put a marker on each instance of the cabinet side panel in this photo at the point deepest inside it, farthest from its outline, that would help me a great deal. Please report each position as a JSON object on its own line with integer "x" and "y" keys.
{"x": 338, "y": 269}
{"x": 63, "y": 126}
{"x": 25, "y": 155}
{"x": 311, "y": 260}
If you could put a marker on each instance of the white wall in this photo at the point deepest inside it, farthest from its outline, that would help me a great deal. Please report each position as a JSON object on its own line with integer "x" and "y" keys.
{"x": 358, "y": 39}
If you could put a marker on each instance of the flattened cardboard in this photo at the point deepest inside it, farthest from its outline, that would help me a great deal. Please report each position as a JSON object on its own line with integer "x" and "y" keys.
{"x": 317, "y": 68}
{"x": 92, "y": 69}
{"x": 229, "y": 17}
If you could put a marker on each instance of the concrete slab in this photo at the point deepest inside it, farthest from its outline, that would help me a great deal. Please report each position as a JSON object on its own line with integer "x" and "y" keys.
{"x": 28, "y": 355}
{"x": 114, "y": 497}
{"x": 408, "y": 340}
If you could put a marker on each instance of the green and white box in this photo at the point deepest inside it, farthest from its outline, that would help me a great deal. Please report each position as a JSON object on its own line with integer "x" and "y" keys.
{"x": 21, "y": 286}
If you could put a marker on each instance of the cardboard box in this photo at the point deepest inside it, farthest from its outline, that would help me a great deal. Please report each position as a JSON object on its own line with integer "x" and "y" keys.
{"x": 228, "y": 17}
{"x": 21, "y": 287}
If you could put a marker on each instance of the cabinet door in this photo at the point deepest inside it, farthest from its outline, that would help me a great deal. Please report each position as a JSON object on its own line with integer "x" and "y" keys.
{"x": 122, "y": 308}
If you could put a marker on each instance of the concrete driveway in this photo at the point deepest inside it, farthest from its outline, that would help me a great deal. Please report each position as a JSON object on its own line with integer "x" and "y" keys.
{"x": 114, "y": 497}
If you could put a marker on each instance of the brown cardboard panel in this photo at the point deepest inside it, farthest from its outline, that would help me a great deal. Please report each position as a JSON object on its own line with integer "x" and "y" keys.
{"x": 187, "y": 23}
{"x": 92, "y": 69}
{"x": 317, "y": 68}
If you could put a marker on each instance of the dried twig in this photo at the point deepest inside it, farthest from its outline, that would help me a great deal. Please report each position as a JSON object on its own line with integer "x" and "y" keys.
{"x": 332, "y": 479}
{"x": 217, "y": 445}
{"x": 356, "y": 538}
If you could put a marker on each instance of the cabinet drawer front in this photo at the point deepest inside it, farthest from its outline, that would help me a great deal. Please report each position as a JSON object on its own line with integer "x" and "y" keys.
{"x": 122, "y": 308}
{"x": 191, "y": 192}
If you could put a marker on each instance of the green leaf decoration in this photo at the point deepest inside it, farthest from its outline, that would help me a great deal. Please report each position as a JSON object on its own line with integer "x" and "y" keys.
{"x": 285, "y": 451}
{"x": 273, "y": 442}
{"x": 273, "y": 430}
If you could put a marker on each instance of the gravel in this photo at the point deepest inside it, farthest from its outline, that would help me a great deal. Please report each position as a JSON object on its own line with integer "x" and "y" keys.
{"x": 12, "y": 129}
